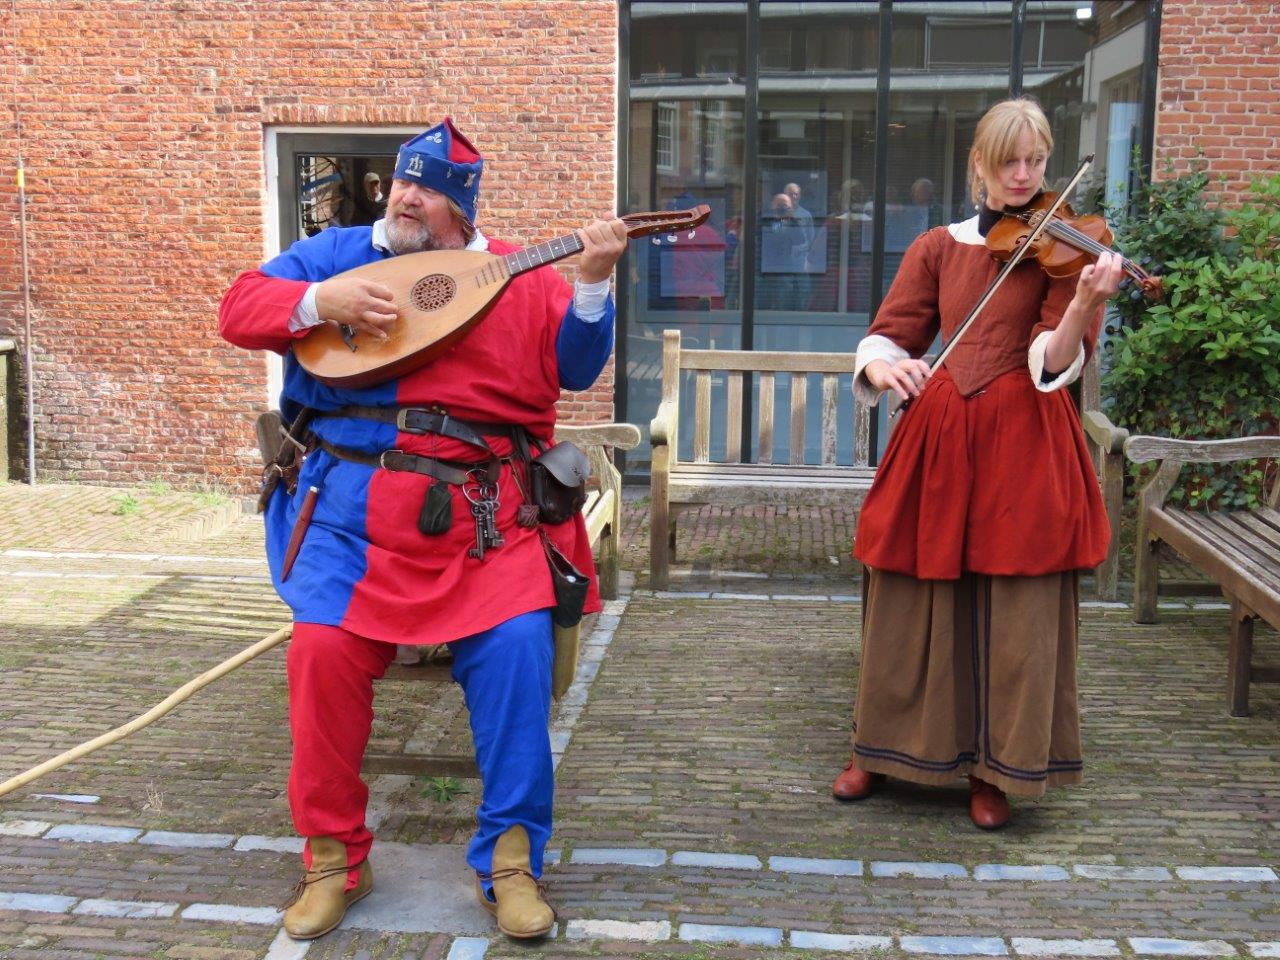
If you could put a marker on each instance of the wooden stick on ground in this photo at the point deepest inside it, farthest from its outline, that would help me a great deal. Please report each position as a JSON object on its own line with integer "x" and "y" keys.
{"x": 152, "y": 715}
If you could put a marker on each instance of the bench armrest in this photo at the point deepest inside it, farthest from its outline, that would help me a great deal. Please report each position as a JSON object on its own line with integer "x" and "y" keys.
{"x": 663, "y": 426}
{"x": 1103, "y": 432}
{"x": 624, "y": 436}
{"x": 1142, "y": 449}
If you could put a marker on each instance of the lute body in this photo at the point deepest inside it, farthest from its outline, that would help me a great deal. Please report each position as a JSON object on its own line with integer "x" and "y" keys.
{"x": 439, "y": 296}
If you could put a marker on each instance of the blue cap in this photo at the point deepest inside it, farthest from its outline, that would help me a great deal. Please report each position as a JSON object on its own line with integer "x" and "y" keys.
{"x": 443, "y": 160}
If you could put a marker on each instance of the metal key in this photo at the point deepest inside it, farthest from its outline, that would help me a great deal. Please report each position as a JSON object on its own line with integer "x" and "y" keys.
{"x": 491, "y": 524}
{"x": 483, "y": 516}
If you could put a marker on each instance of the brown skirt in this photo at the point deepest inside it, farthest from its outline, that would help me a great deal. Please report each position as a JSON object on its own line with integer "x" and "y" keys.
{"x": 970, "y": 676}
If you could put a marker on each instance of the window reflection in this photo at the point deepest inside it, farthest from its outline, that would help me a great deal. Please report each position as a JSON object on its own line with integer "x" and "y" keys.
{"x": 812, "y": 243}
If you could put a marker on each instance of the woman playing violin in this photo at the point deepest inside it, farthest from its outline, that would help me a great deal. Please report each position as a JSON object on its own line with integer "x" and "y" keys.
{"x": 984, "y": 507}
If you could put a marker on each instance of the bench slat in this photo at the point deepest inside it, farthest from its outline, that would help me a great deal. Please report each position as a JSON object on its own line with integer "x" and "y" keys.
{"x": 1204, "y": 547}
{"x": 702, "y": 417}
{"x": 1255, "y": 529}
{"x": 1240, "y": 538}
{"x": 861, "y": 433}
{"x": 733, "y": 494}
{"x": 799, "y": 397}
{"x": 813, "y": 471}
{"x": 830, "y": 385}
{"x": 1224, "y": 538}
{"x": 766, "y": 361}
{"x": 599, "y": 515}
{"x": 765, "y": 452}
{"x": 733, "y": 429}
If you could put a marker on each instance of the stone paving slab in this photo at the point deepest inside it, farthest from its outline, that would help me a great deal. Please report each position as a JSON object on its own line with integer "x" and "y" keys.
{"x": 701, "y": 755}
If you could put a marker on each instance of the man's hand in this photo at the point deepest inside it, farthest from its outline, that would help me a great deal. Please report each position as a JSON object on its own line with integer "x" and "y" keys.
{"x": 904, "y": 377}
{"x": 602, "y": 244}
{"x": 365, "y": 306}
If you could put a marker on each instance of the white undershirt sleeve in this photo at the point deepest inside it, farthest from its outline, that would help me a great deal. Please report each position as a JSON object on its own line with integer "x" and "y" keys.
{"x": 305, "y": 315}
{"x": 1035, "y": 361}
{"x": 589, "y": 299}
{"x": 874, "y": 347}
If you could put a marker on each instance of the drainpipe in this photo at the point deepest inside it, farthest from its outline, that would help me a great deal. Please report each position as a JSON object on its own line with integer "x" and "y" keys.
{"x": 26, "y": 315}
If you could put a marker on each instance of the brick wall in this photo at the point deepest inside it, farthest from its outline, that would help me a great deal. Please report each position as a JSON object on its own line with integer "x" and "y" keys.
{"x": 1219, "y": 70}
{"x": 143, "y": 124}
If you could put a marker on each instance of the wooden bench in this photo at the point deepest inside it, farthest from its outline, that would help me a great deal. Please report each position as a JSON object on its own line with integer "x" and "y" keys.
{"x": 1106, "y": 442}
{"x": 675, "y": 483}
{"x": 603, "y": 514}
{"x": 1240, "y": 550}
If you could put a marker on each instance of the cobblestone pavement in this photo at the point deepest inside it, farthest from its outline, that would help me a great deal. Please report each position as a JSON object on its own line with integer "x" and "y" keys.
{"x": 694, "y": 818}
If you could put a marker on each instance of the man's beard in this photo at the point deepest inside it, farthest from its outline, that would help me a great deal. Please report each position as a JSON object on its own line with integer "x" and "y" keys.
{"x": 404, "y": 236}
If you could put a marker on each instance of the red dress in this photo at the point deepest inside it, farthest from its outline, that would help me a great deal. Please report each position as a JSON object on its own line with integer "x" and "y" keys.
{"x": 985, "y": 473}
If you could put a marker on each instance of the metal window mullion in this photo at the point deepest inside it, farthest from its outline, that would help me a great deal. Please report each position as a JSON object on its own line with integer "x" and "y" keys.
{"x": 622, "y": 291}
{"x": 750, "y": 213}
{"x": 1016, "y": 30}
{"x": 879, "y": 184}
{"x": 1150, "y": 75}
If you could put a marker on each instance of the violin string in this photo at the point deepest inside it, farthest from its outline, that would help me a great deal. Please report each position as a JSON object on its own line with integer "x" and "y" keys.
{"x": 1068, "y": 232}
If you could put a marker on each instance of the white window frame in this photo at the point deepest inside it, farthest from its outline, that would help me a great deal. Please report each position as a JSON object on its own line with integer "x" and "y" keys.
{"x": 666, "y": 136}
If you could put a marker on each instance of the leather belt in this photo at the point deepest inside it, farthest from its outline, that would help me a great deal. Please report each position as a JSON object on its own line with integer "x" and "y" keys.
{"x": 420, "y": 420}
{"x": 450, "y": 471}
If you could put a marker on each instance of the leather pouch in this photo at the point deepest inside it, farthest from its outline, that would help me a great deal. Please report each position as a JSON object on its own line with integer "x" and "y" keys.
{"x": 569, "y": 583}
{"x": 436, "y": 515}
{"x": 558, "y": 477}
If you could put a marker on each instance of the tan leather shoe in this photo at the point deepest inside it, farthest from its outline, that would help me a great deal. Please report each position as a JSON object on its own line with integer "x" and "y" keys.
{"x": 320, "y": 900}
{"x": 855, "y": 784}
{"x": 522, "y": 911}
{"x": 988, "y": 806}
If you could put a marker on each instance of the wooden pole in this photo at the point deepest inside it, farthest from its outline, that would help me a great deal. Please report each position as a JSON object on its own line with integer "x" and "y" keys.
{"x": 152, "y": 715}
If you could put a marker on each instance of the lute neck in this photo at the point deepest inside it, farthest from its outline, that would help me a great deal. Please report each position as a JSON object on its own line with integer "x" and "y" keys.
{"x": 550, "y": 251}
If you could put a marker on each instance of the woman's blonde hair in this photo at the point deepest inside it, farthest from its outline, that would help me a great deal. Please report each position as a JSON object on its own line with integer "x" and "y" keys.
{"x": 996, "y": 139}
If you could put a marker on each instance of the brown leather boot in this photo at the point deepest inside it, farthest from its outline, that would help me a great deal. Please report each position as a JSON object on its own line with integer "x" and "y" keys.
{"x": 855, "y": 784}
{"x": 320, "y": 900}
{"x": 988, "y": 806}
{"x": 522, "y": 911}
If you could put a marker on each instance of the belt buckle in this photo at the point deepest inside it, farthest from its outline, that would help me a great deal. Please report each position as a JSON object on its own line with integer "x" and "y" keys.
{"x": 382, "y": 458}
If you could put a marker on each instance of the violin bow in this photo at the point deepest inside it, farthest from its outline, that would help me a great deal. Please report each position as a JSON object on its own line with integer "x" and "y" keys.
{"x": 1003, "y": 274}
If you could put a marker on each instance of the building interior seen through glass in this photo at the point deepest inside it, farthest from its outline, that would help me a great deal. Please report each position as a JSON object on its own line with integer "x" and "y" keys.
{"x": 829, "y": 228}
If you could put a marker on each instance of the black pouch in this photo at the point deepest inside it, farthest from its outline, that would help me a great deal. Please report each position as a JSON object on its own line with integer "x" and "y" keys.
{"x": 570, "y": 586}
{"x": 558, "y": 477}
{"x": 436, "y": 515}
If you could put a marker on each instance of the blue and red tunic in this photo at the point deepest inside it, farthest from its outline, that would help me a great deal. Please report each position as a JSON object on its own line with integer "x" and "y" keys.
{"x": 364, "y": 565}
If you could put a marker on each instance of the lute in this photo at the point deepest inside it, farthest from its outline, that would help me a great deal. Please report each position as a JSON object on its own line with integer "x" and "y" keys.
{"x": 439, "y": 296}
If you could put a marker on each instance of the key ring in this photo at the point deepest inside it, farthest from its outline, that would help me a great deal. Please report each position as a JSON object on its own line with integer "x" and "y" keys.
{"x": 485, "y": 491}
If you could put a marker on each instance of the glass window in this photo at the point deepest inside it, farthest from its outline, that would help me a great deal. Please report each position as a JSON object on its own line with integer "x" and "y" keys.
{"x": 966, "y": 44}
{"x": 815, "y": 170}
{"x": 1065, "y": 41}
{"x": 685, "y": 149}
{"x": 1121, "y": 112}
{"x": 812, "y": 244}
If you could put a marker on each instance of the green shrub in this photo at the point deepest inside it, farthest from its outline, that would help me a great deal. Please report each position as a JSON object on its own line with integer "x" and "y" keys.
{"x": 1168, "y": 220}
{"x": 1205, "y": 363}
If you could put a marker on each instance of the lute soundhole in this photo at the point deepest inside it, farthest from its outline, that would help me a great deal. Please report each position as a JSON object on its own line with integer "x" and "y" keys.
{"x": 433, "y": 292}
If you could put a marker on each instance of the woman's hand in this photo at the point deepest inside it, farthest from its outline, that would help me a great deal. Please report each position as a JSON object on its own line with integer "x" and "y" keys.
{"x": 1099, "y": 281}
{"x": 906, "y": 378}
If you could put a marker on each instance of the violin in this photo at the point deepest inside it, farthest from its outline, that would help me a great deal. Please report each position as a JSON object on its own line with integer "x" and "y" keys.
{"x": 1066, "y": 245}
